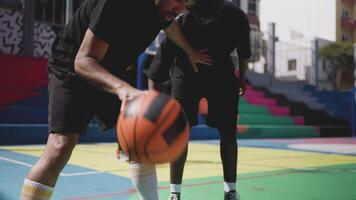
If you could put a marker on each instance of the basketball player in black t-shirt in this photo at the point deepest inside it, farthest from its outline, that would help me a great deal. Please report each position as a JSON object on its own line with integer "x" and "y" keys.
{"x": 218, "y": 27}
{"x": 87, "y": 74}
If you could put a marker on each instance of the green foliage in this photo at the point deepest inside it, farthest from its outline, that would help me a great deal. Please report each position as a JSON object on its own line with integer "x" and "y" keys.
{"x": 339, "y": 54}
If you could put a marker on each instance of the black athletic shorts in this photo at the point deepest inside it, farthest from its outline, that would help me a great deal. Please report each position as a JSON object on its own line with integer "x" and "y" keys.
{"x": 73, "y": 103}
{"x": 222, "y": 96}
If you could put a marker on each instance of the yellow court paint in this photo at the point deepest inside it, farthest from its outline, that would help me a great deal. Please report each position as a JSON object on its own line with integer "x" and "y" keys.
{"x": 203, "y": 159}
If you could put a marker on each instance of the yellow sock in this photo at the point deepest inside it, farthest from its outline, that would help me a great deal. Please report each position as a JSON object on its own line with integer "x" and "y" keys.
{"x": 35, "y": 191}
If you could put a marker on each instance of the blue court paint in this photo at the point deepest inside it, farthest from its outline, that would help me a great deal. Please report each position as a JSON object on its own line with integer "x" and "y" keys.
{"x": 251, "y": 143}
{"x": 203, "y": 132}
{"x": 68, "y": 187}
{"x": 263, "y": 144}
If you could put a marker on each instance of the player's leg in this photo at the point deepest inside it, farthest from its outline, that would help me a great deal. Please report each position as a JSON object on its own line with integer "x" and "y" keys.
{"x": 144, "y": 179}
{"x": 68, "y": 116}
{"x": 189, "y": 102}
{"x": 176, "y": 175}
{"x": 228, "y": 154}
{"x": 222, "y": 114}
{"x": 42, "y": 178}
{"x": 143, "y": 176}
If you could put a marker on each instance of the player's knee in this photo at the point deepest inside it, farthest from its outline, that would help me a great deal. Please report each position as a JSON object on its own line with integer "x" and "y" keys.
{"x": 227, "y": 134}
{"x": 60, "y": 146}
{"x": 140, "y": 169}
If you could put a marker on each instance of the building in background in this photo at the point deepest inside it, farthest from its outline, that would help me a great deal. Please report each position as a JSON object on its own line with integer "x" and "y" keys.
{"x": 252, "y": 10}
{"x": 296, "y": 59}
{"x": 346, "y": 20}
{"x": 301, "y": 28}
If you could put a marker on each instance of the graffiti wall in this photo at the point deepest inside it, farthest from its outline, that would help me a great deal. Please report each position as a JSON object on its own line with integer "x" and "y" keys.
{"x": 43, "y": 38}
{"x": 11, "y": 30}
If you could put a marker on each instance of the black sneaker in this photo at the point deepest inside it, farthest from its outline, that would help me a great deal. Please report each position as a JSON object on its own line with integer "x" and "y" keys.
{"x": 232, "y": 195}
{"x": 174, "y": 196}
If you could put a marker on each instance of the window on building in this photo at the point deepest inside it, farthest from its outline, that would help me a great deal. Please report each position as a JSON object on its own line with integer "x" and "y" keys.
{"x": 237, "y": 3}
{"x": 292, "y": 65}
{"x": 345, "y": 38}
{"x": 345, "y": 13}
{"x": 252, "y": 7}
{"x": 11, "y": 4}
{"x": 51, "y": 11}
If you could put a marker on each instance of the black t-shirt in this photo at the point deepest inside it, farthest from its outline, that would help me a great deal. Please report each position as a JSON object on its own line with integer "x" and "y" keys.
{"x": 128, "y": 26}
{"x": 231, "y": 30}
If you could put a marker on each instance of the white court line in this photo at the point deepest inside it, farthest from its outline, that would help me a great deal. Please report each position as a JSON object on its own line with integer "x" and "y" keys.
{"x": 61, "y": 174}
{"x": 348, "y": 149}
{"x": 16, "y": 162}
{"x": 82, "y": 173}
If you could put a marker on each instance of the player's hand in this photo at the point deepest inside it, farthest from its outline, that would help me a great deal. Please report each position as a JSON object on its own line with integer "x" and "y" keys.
{"x": 242, "y": 89}
{"x": 126, "y": 93}
{"x": 200, "y": 57}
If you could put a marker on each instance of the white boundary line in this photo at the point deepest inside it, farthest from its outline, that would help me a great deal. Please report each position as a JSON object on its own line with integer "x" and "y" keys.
{"x": 82, "y": 173}
{"x": 61, "y": 174}
{"x": 15, "y": 162}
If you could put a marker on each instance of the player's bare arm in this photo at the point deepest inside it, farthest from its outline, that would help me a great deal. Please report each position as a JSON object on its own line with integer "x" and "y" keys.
{"x": 175, "y": 34}
{"x": 151, "y": 84}
{"x": 87, "y": 66}
{"x": 243, "y": 68}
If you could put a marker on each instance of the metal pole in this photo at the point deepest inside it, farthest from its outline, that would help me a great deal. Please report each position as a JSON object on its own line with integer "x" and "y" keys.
{"x": 274, "y": 50}
{"x": 353, "y": 111}
{"x": 271, "y": 49}
{"x": 69, "y": 10}
{"x": 28, "y": 28}
{"x": 271, "y": 52}
{"x": 353, "y": 98}
{"x": 316, "y": 64}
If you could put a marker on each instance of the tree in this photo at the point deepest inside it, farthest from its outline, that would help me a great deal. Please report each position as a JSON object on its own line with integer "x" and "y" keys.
{"x": 340, "y": 55}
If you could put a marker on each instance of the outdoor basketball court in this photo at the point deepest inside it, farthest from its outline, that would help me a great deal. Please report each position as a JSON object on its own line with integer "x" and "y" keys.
{"x": 293, "y": 169}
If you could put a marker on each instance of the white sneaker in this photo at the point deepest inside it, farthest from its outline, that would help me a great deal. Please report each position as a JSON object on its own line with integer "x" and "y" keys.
{"x": 174, "y": 196}
{"x": 232, "y": 195}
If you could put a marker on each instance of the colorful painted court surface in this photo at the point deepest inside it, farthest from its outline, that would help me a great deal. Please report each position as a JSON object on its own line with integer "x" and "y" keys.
{"x": 293, "y": 169}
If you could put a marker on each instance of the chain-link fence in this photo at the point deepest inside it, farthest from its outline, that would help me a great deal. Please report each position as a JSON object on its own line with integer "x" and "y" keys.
{"x": 300, "y": 60}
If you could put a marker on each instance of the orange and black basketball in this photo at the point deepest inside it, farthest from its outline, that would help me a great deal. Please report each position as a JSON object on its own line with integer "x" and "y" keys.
{"x": 153, "y": 128}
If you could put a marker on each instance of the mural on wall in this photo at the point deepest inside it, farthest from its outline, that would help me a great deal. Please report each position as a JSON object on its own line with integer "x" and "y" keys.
{"x": 44, "y": 36}
{"x": 11, "y": 30}
{"x": 11, "y": 25}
